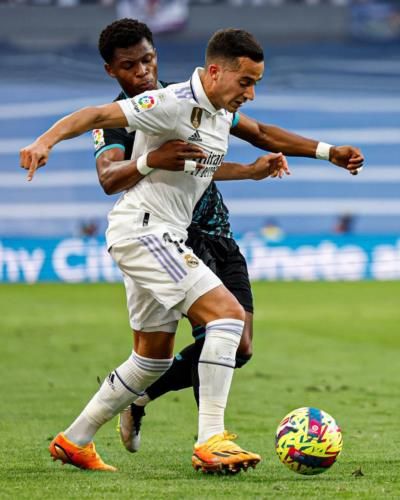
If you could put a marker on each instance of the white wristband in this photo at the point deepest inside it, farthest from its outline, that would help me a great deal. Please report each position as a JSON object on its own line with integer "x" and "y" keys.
{"x": 322, "y": 151}
{"x": 190, "y": 166}
{"x": 141, "y": 165}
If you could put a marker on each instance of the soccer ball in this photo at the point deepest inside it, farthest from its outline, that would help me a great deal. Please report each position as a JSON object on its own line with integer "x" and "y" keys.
{"x": 308, "y": 441}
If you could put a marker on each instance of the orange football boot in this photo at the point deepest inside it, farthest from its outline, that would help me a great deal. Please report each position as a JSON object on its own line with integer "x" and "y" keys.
{"x": 220, "y": 454}
{"x": 83, "y": 457}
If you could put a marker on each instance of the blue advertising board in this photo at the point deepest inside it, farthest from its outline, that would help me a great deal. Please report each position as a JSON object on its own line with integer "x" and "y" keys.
{"x": 309, "y": 258}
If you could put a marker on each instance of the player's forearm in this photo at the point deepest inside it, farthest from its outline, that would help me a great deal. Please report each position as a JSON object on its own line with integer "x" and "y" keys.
{"x": 82, "y": 121}
{"x": 273, "y": 138}
{"x": 229, "y": 171}
{"x": 70, "y": 126}
{"x": 119, "y": 176}
{"x": 279, "y": 140}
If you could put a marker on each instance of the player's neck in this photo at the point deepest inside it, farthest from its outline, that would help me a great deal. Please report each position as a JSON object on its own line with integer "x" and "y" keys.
{"x": 208, "y": 88}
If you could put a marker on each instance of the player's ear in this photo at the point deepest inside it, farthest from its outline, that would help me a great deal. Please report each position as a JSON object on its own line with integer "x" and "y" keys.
{"x": 213, "y": 70}
{"x": 109, "y": 70}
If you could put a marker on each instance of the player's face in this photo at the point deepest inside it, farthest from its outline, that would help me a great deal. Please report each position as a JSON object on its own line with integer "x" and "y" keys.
{"x": 235, "y": 84}
{"x": 135, "y": 68}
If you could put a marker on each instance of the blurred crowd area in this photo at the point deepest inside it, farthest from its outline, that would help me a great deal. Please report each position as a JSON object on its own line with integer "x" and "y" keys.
{"x": 154, "y": 4}
{"x": 363, "y": 19}
{"x": 150, "y": 7}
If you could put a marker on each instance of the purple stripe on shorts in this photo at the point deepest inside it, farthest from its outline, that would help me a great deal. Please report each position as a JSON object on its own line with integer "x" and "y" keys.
{"x": 167, "y": 261}
{"x": 168, "y": 255}
{"x": 160, "y": 259}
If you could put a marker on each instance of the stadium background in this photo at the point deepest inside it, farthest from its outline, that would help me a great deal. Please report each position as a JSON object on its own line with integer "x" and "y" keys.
{"x": 336, "y": 81}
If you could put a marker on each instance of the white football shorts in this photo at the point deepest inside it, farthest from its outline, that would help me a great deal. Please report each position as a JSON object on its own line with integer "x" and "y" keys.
{"x": 162, "y": 276}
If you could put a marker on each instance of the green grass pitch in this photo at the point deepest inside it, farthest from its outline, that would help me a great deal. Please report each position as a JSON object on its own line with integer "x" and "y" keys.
{"x": 331, "y": 345}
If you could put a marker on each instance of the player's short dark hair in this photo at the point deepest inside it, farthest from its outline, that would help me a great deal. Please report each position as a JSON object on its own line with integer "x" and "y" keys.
{"x": 122, "y": 34}
{"x": 233, "y": 43}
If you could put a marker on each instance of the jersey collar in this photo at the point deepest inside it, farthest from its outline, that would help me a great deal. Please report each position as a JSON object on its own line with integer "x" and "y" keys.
{"x": 199, "y": 94}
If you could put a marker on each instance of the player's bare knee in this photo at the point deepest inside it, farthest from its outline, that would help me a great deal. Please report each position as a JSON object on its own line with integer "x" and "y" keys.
{"x": 217, "y": 304}
{"x": 245, "y": 349}
{"x": 229, "y": 307}
{"x": 234, "y": 310}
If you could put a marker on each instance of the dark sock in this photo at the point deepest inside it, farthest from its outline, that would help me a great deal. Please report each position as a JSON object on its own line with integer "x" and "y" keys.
{"x": 179, "y": 376}
{"x": 198, "y": 332}
{"x": 242, "y": 359}
{"x": 184, "y": 370}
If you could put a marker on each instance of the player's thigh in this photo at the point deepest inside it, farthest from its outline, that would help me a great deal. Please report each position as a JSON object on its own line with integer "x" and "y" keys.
{"x": 160, "y": 264}
{"x": 218, "y": 303}
{"x": 152, "y": 266}
{"x": 233, "y": 272}
{"x": 146, "y": 314}
{"x": 223, "y": 256}
{"x": 232, "y": 269}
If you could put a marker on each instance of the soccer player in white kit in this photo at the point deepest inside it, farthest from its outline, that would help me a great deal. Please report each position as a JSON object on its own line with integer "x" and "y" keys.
{"x": 146, "y": 234}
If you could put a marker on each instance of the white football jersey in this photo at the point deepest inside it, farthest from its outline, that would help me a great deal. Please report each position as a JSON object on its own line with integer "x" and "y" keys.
{"x": 180, "y": 111}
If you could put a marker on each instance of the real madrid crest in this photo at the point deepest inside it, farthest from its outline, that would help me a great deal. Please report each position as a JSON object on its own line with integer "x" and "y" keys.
{"x": 196, "y": 117}
{"x": 191, "y": 260}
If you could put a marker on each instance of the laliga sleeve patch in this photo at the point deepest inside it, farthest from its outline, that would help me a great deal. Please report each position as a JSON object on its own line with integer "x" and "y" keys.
{"x": 145, "y": 102}
{"x": 98, "y": 138}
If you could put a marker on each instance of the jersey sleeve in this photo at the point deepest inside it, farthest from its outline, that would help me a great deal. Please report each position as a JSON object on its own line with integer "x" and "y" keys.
{"x": 105, "y": 139}
{"x": 235, "y": 119}
{"x": 153, "y": 113}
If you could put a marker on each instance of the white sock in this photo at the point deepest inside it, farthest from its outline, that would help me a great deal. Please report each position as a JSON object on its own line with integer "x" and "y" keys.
{"x": 121, "y": 388}
{"x": 216, "y": 364}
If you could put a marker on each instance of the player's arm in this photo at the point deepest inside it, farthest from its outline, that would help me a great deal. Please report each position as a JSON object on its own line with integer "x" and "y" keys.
{"x": 153, "y": 113}
{"x": 117, "y": 174}
{"x": 36, "y": 154}
{"x": 271, "y": 165}
{"x": 276, "y": 139}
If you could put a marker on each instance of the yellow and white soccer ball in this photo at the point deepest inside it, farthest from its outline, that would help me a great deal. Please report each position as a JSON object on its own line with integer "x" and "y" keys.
{"x": 308, "y": 441}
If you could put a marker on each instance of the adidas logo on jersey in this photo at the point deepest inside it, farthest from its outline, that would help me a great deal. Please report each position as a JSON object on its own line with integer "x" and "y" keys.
{"x": 195, "y": 137}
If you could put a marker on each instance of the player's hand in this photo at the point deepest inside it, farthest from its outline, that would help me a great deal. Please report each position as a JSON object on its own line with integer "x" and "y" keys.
{"x": 33, "y": 157}
{"x": 271, "y": 165}
{"x": 347, "y": 157}
{"x": 172, "y": 155}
